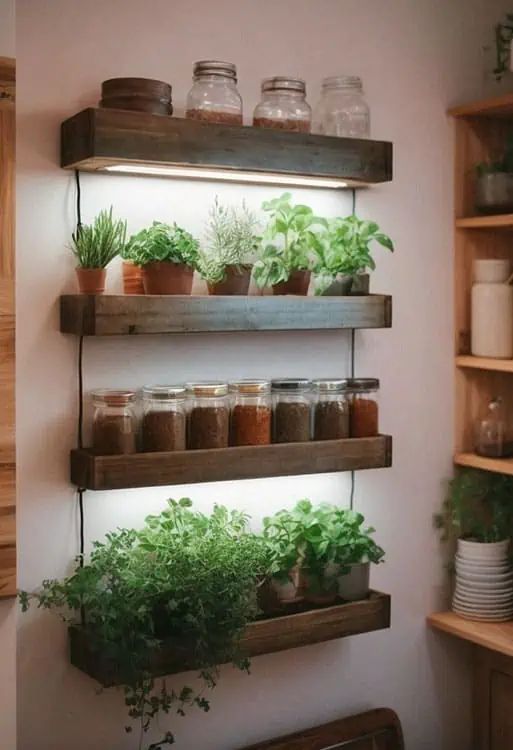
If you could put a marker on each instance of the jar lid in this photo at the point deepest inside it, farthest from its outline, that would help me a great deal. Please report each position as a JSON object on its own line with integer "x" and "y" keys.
{"x": 210, "y": 388}
{"x": 290, "y": 384}
{"x": 164, "y": 392}
{"x": 331, "y": 385}
{"x": 215, "y": 68}
{"x": 342, "y": 82}
{"x": 113, "y": 397}
{"x": 282, "y": 83}
{"x": 363, "y": 384}
{"x": 251, "y": 387}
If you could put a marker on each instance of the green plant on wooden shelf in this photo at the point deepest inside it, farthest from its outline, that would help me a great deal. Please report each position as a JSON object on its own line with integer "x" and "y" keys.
{"x": 503, "y": 38}
{"x": 503, "y": 164}
{"x": 162, "y": 243}
{"x": 184, "y": 577}
{"x": 96, "y": 245}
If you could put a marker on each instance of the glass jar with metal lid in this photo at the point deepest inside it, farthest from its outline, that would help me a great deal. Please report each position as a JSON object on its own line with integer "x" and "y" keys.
{"x": 291, "y": 410}
{"x": 209, "y": 415}
{"x": 114, "y": 422}
{"x": 364, "y": 407}
{"x": 331, "y": 412}
{"x": 283, "y": 105}
{"x": 214, "y": 96}
{"x": 251, "y": 412}
{"x": 164, "y": 422}
{"x": 342, "y": 109}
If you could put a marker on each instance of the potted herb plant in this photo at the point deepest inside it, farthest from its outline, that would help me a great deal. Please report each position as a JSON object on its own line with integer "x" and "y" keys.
{"x": 168, "y": 256}
{"x": 288, "y": 246}
{"x": 227, "y": 260}
{"x": 186, "y": 582}
{"x": 494, "y": 183}
{"x": 354, "y": 555}
{"x": 344, "y": 255}
{"x": 94, "y": 246}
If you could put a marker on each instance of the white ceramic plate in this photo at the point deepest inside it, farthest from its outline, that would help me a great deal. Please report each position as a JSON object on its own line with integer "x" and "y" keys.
{"x": 483, "y": 565}
{"x": 484, "y": 586}
{"x": 483, "y": 608}
{"x": 500, "y": 601}
{"x": 484, "y": 613}
{"x": 484, "y": 618}
{"x": 485, "y": 577}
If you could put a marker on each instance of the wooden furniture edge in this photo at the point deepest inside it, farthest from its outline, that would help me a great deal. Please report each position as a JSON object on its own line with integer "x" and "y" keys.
{"x": 482, "y": 634}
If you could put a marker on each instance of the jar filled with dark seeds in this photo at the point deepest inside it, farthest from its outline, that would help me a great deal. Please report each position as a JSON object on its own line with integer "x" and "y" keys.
{"x": 114, "y": 422}
{"x": 164, "y": 418}
{"x": 331, "y": 411}
{"x": 291, "y": 410}
{"x": 209, "y": 416}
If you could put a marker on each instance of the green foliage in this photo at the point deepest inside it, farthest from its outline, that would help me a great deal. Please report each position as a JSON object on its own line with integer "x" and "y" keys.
{"x": 503, "y": 37}
{"x": 162, "y": 242}
{"x": 231, "y": 239}
{"x": 183, "y": 577}
{"x": 344, "y": 248}
{"x": 95, "y": 245}
{"x": 478, "y": 506}
{"x": 289, "y": 241}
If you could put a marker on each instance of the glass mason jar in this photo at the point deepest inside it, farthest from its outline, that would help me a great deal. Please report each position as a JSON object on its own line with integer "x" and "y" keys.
{"x": 114, "y": 422}
{"x": 491, "y": 438}
{"x": 251, "y": 412}
{"x": 209, "y": 415}
{"x": 214, "y": 96}
{"x": 283, "y": 105}
{"x": 364, "y": 407}
{"x": 331, "y": 412}
{"x": 342, "y": 109}
{"x": 291, "y": 410}
{"x": 164, "y": 419}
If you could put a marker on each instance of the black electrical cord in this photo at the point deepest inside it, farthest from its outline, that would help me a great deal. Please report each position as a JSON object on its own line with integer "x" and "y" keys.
{"x": 352, "y": 350}
{"x": 79, "y": 206}
{"x": 80, "y": 438}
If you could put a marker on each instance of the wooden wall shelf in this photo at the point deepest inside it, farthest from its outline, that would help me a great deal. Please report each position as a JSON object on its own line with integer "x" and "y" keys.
{"x": 496, "y": 636}
{"x": 497, "y": 465}
{"x": 261, "y": 637}
{"x": 494, "y": 107}
{"x": 501, "y": 221}
{"x": 99, "y": 139}
{"x": 219, "y": 465}
{"x": 108, "y": 315}
{"x": 484, "y": 363}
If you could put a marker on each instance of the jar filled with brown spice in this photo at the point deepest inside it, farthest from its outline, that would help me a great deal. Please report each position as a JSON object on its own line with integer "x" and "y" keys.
{"x": 283, "y": 105}
{"x": 364, "y": 407}
{"x": 214, "y": 96}
{"x": 114, "y": 422}
{"x": 331, "y": 409}
{"x": 209, "y": 415}
{"x": 291, "y": 410}
{"x": 251, "y": 412}
{"x": 164, "y": 419}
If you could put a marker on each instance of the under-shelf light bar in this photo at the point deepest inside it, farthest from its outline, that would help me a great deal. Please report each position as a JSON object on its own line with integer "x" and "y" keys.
{"x": 195, "y": 173}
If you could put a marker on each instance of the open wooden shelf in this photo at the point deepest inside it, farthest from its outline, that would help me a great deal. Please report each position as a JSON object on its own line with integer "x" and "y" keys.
{"x": 484, "y": 363}
{"x": 496, "y": 636}
{"x": 223, "y": 464}
{"x": 501, "y": 221}
{"x": 111, "y": 314}
{"x": 497, "y": 106}
{"x": 497, "y": 465}
{"x": 261, "y": 637}
{"x": 96, "y": 139}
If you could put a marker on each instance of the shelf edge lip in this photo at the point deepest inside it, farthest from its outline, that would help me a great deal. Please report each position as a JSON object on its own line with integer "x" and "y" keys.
{"x": 470, "y": 362}
{"x": 435, "y": 623}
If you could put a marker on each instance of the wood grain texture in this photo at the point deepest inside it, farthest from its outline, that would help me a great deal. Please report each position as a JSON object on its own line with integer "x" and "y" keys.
{"x": 109, "y": 315}
{"x": 497, "y": 465}
{"x": 496, "y": 636}
{"x": 7, "y": 81}
{"x": 485, "y": 363}
{"x": 496, "y": 106}
{"x": 95, "y": 138}
{"x": 379, "y": 729}
{"x": 219, "y": 465}
{"x": 492, "y": 700}
{"x": 261, "y": 637}
{"x": 503, "y": 221}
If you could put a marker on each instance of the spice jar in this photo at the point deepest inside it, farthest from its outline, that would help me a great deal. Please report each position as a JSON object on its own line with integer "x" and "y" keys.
{"x": 342, "y": 110}
{"x": 331, "y": 410}
{"x": 251, "y": 412}
{"x": 291, "y": 410}
{"x": 164, "y": 418}
{"x": 214, "y": 96}
{"x": 283, "y": 105}
{"x": 492, "y": 438}
{"x": 209, "y": 416}
{"x": 114, "y": 422}
{"x": 364, "y": 407}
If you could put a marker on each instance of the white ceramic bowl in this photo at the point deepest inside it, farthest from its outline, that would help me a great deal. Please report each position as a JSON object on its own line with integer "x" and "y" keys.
{"x": 483, "y": 566}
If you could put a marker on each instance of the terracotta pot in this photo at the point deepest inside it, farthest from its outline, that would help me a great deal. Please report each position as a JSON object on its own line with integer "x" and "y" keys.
{"x": 236, "y": 281}
{"x": 297, "y": 283}
{"x": 132, "y": 279}
{"x": 91, "y": 280}
{"x": 163, "y": 277}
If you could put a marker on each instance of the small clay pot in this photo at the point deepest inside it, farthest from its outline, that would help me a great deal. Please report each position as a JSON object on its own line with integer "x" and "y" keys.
{"x": 91, "y": 280}
{"x": 236, "y": 281}
{"x": 132, "y": 278}
{"x": 297, "y": 283}
{"x": 139, "y": 94}
{"x": 163, "y": 277}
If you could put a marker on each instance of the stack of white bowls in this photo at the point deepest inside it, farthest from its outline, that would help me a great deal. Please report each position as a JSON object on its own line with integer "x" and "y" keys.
{"x": 484, "y": 581}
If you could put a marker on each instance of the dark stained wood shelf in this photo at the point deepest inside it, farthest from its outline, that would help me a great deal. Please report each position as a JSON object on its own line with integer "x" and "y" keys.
{"x": 217, "y": 465}
{"x": 111, "y": 314}
{"x": 261, "y": 637}
{"x": 96, "y": 139}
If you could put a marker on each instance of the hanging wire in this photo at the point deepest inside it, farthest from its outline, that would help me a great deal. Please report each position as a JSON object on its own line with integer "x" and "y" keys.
{"x": 352, "y": 350}
{"x": 79, "y": 200}
{"x": 80, "y": 420}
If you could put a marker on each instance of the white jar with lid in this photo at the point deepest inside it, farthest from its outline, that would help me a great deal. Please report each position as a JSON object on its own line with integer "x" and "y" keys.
{"x": 492, "y": 309}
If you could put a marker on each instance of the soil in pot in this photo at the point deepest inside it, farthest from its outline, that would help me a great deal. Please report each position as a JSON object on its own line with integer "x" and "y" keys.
{"x": 354, "y": 585}
{"x": 297, "y": 283}
{"x": 236, "y": 281}
{"x": 91, "y": 280}
{"x": 132, "y": 279}
{"x": 162, "y": 277}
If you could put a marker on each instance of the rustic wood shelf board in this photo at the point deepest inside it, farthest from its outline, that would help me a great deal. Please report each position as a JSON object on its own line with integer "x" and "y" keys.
{"x": 484, "y": 363}
{"x": 501, "y": 221}
{"x": 109, "y": 315}
{"x": 96, "y": 139}
{"x": 261, "y": 637}
{"x": 497, "y": 106}
{"x": 497, "y": 465}
{"x": 496, "y": 636}
{"x": 224, "y": 464}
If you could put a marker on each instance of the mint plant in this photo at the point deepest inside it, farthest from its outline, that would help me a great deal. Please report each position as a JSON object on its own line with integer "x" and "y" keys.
{"x": 162, "y": 242}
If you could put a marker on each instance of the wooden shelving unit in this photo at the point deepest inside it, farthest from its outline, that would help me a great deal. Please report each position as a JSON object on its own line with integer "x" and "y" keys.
{"x": 496, "y": 636}
{"x": 503, "y": 221}
{"x": 497, "y": 465}
{"x": 485, "y": 363}
{"x": 261, "y": 637}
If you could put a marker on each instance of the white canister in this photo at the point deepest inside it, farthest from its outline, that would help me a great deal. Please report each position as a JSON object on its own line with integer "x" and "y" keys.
{"x": 492, "y": 309}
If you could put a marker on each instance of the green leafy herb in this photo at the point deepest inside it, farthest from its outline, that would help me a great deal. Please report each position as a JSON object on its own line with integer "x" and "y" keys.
{"x": 504, "y": 164}
{"x": 503, "y": 37}
{"x": 162, "y": 242}
{"x": 95, "y": 245}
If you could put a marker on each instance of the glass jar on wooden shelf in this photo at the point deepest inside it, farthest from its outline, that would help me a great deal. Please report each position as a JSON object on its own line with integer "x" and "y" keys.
{"x": 291, "y": 410}
{"x": 214, "y": 96}
{"x": 342, "y": 110}
{"x": 114, "y": 422}
{"x": 364, "y": 407}
{"x": 209, "y": 415}
{"x": 251, "y": 412}
{"x": 164, "y": 418}
{"x": 283, "y": 105}
{"x": 491, "y": 433}
{"x": 331, "y": 409}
